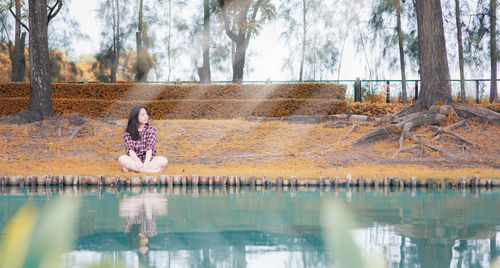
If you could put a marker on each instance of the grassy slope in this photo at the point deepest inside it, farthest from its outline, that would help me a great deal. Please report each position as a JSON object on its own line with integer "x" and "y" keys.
{"x": 236, "y": 147}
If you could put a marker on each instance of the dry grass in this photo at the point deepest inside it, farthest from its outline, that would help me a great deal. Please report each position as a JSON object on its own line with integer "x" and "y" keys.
{"x": 237, "y": 147}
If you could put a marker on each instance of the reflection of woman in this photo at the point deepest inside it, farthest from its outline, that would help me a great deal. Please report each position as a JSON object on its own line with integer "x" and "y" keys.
{"x": 139, "y": 212}
{"x": 140, "y": 140}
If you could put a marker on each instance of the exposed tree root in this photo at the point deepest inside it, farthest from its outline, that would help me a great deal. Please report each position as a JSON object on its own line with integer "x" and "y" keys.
{"x": 354, "y": 128}
{"x": 73, "y": 135}
{"x": 442, "y": 131}
{"x": 25, "y": 116}
{"x": 377, "y": 134}
{"x": 404, "y": 122}
{"x": 461, "y": 123}
{"x": 434, "y": 147}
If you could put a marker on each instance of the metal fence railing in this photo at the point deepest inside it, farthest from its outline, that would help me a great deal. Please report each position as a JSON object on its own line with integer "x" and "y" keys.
{"x": 475, "y": 89}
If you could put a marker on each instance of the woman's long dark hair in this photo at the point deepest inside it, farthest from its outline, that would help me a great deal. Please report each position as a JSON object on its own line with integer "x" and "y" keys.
{"x": 133, "y": 122}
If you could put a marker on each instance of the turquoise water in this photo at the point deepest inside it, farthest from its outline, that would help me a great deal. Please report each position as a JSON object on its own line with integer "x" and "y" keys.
{"x": 244, "y": 227}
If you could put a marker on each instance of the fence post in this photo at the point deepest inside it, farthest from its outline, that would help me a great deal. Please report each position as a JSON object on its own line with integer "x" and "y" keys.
{"x": 388, "y": 92}
{"x": 477, "y": 92}
{"x": 357, "y": 90}
{"x": 416, "y": 91}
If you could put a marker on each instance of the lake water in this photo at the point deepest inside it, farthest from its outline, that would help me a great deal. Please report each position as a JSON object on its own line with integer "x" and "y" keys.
{"x": 245, "y": 227}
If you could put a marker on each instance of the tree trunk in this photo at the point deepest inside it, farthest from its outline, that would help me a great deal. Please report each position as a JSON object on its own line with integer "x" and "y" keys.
{"x": 139, "y": 65}
{"x": 460, "y": 51}
{"x": 169, "y": 54}
{"x": 493, "y": 51}
{"x": 205, "y": 74}
{"x": 40, "y": 105}
{"x": 434, "y": 72}
{"x": 117, "y": 58}
{"x": 401, "y": 51}
{"x": 303, "y": 55}
{"x": 18, "y": 58}
{"x": 341, "y": 56}
{"x": 112, "y": 75}
{"x": 239, "y": 60}
{"x": 116, "y": 40}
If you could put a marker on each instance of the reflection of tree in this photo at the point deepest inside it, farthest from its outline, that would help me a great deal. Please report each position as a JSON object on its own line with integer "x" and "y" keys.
{"x": 139, "y": 212}
{"x": 493, "y": 247}
{"x": 434, "y": 222}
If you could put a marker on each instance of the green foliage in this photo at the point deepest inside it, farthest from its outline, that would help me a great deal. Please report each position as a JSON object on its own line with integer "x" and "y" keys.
{"x": 36, "y": 238}
{"x": 26, "y": 237}
{"x": 321, "y": 52}
{"x": 383, "y": 24}
{"x": 246, "y": 16}
{"x": 337, "y": 223}
{"x": 476, "y": 29}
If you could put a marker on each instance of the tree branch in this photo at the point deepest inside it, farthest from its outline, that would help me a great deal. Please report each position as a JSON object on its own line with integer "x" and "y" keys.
{"x": 254, "y": 16}
{"x": 18, "y": 19}
{"x": 229, "y": 33}
{"x": 52, "y": 15}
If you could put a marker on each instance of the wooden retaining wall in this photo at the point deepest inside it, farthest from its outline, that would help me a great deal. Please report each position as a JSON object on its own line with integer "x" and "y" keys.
{"x": 196, "y": 180}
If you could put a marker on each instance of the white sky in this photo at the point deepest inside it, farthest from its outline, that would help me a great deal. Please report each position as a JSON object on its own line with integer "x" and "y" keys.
{"x": 268, "y": 54}
{"x": 266, "y": 63}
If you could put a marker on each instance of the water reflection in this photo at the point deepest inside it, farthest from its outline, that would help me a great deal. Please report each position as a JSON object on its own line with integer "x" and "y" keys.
{"x": 432, "y": 229}
{"x": 262, "y": 226}
{"x": 139, "y": 212}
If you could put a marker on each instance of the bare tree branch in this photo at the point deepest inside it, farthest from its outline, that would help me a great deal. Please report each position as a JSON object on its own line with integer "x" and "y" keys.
{"x": 51, "y": 14}
{"x": 229, "y": 33}
{"x": 18, "y": 19}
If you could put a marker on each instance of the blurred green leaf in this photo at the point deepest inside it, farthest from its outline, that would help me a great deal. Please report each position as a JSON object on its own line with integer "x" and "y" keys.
{"x": 496, "y": 263}
{"x": 54, "y": 234}
{"x": 337, "y": 223}
{"x": 17, "y": 233}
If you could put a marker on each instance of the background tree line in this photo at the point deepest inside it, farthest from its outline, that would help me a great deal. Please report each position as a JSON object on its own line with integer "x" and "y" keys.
{"x": 221, "y": 31}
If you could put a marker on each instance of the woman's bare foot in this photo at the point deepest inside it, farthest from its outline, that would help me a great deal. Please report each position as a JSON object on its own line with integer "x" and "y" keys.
{"x": 124, "y": 169}
{"x": 156, "y": 170}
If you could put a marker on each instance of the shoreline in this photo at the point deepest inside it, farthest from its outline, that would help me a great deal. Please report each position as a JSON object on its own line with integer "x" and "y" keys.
{"x": 223, "y": 181}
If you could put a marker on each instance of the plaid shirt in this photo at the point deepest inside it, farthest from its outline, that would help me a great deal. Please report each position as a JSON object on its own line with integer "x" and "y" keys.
{"x": 140, "y": 147}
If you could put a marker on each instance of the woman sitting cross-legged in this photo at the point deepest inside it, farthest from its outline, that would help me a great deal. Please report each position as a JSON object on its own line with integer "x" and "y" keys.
{"x": 140, "y": 139}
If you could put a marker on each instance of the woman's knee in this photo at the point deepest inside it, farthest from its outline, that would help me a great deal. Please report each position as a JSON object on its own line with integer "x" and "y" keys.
{"x": 123, "y": 159}
{"x": 162, "y": 160}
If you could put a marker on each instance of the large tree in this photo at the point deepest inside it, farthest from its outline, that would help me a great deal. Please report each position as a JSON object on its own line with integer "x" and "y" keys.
{"x": 434, "y": 104}
{"x": 493, "y": 51}
{"x": 242, "y": 20}
{"x": 434, "y": 72}
{"x": 40, "y": 103}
